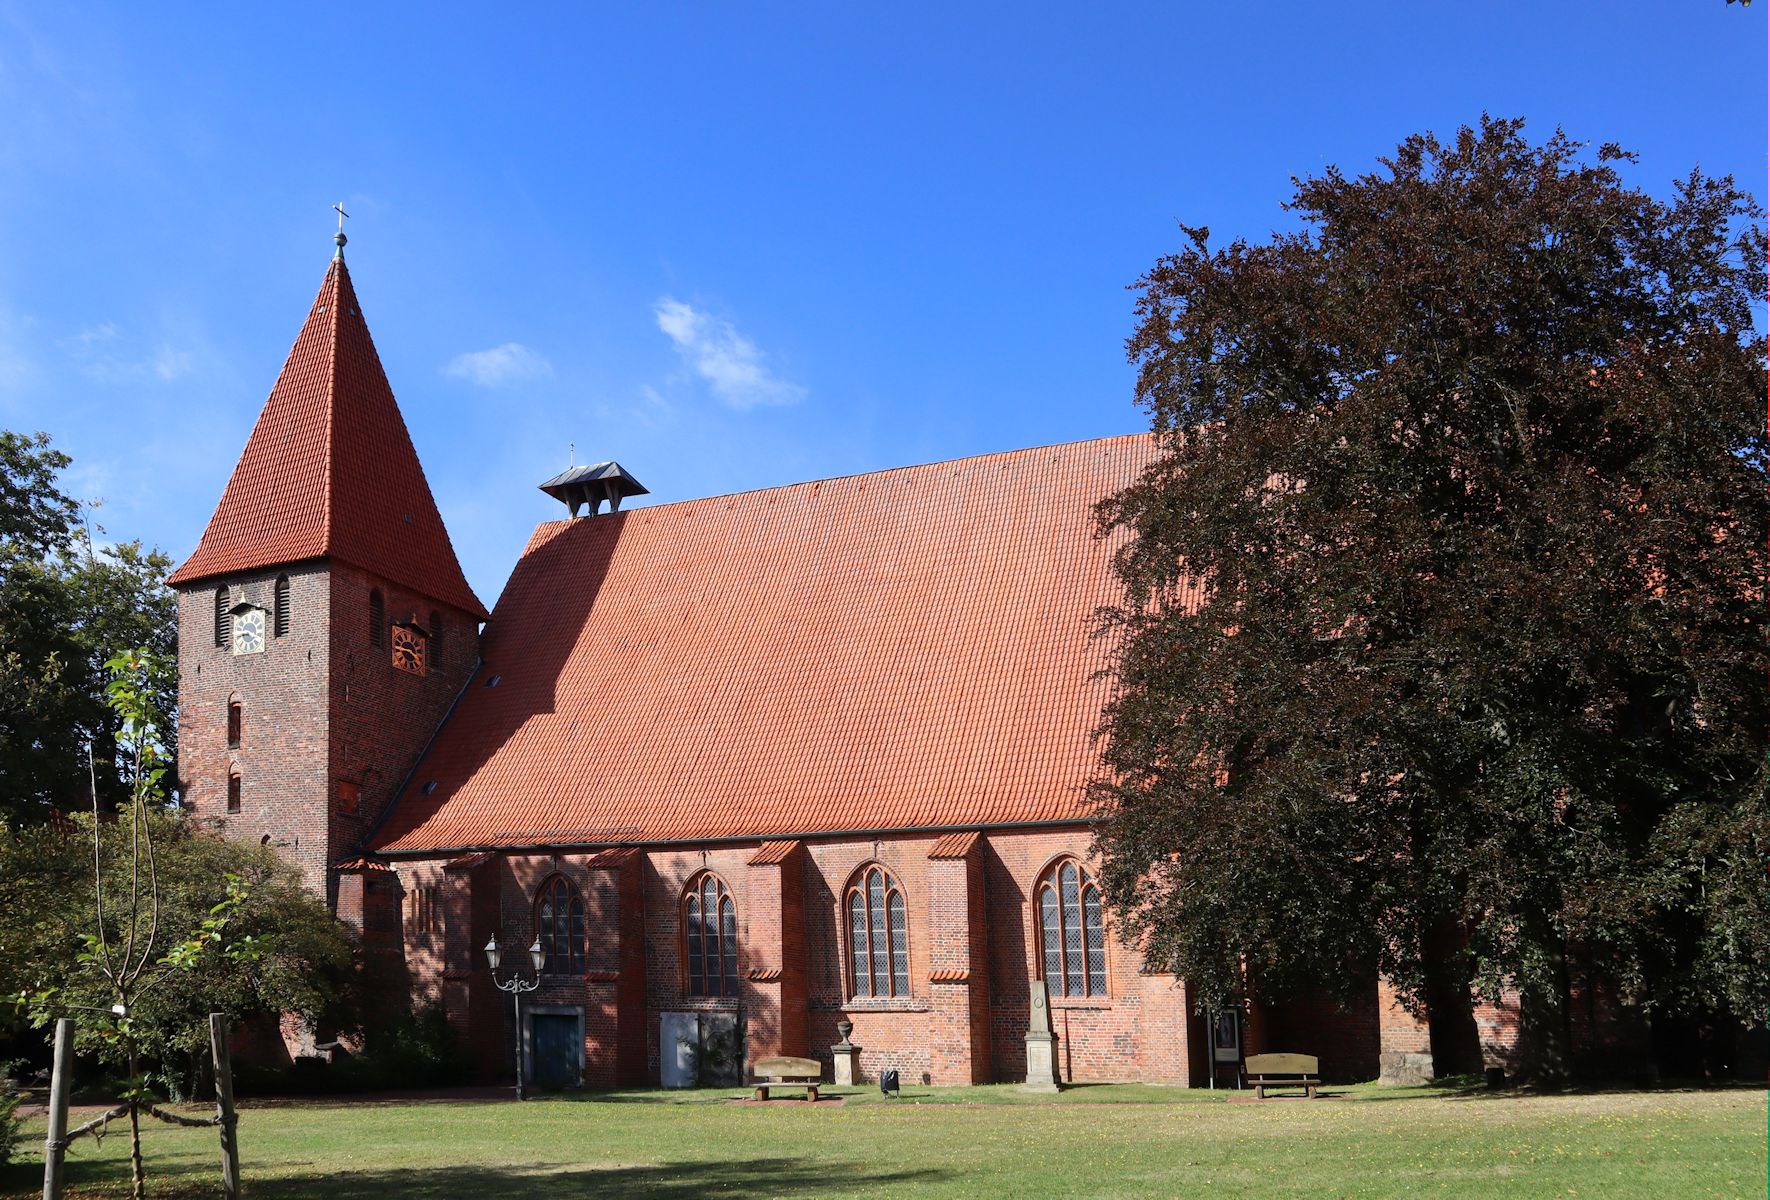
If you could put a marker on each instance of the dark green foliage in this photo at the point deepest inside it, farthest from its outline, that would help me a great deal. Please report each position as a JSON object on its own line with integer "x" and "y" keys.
{"x": 67, "y": 606}
{"x": 1471, "y": 473}
{"x": 411, "y": 1050}
{"x": 291, "y": 955}
{"x": 9, "y": 1124}
{"x": 414, "y": 1050}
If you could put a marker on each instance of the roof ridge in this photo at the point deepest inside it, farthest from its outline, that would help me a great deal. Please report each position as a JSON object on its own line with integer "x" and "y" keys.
{"x": 329, "y": 291}
{"x": 939, "y": 462}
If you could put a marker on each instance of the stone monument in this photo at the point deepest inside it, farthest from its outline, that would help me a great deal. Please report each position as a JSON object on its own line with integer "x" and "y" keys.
{"x": 846, "y": 1071}
{"x": 1041, "y": 1044}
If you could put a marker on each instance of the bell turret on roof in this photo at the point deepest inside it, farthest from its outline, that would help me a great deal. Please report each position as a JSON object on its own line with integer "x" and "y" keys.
{"x": 329, "y": 470}
{"x": 592, "y": 484}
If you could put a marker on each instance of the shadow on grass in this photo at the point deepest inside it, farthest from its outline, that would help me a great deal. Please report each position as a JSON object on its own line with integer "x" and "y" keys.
{"x": 1475, "y": 1088}
{"x": 541, "y": 1181}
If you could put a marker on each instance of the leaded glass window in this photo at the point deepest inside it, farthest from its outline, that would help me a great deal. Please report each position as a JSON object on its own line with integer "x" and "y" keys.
{"x": 709, "y": 936}
{"x": 559, "y": 921}
{"x": 878, "y": 936}
{"x": 1072, "y": 931}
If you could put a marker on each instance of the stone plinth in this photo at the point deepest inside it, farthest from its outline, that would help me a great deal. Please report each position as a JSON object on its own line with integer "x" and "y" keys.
{"x": 1405, "y": 1068}
{"x": 1041, "y": 1042}
{"x": 1041, "y": 1063}
{"x": 847, "y": 1064}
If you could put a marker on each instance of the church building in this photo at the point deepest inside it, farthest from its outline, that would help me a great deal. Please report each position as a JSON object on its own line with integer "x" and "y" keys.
{"x": 742, "y": 767}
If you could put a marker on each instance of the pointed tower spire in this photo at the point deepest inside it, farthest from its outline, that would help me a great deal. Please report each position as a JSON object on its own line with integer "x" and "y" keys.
{"x": 329, "y": 470}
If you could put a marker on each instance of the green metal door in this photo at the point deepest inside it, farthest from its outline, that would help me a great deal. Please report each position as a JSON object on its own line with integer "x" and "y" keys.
{"x": 556, "y": 1051}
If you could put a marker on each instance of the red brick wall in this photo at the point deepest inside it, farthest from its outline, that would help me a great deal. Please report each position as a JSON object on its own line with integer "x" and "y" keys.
{"x": 321, "y": 705}
{"x": 1138, "y": 1030}
{"x": 283, "y": 693}
{"x": 1346, "y": 1040}
{"x": 892, "y": 1032}
{"x": 383, "y": 717}
{"x": 964, "y": 915}
{"x": 666, "y": 876}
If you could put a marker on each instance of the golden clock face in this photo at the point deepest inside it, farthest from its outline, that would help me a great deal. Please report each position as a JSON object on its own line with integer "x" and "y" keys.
{"x": 249, "y": 631}
{"x": 408, "y": 649}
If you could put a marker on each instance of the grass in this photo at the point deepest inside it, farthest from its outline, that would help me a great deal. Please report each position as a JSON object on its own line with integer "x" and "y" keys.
{"x": 1105, "y": 1140}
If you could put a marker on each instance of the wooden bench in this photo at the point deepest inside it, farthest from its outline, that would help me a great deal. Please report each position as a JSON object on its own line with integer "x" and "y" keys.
{"x": 1282, "y": 1070}
{"x": 788, "y": 1072}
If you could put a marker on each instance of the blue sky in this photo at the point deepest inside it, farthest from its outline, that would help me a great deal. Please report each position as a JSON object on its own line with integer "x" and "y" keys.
{"x": 731, "y": 245}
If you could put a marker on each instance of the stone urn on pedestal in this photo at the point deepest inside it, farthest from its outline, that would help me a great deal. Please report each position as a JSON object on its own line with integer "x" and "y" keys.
{"x": 846, "y": 1055}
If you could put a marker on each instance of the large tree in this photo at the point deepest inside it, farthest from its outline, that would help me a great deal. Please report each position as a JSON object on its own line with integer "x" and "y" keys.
{"x": 1443, "y": 645}
{"x": 67, "y": 604}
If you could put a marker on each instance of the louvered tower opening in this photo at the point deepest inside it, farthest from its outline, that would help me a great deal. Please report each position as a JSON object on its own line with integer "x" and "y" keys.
{"x": 282, "y": 606}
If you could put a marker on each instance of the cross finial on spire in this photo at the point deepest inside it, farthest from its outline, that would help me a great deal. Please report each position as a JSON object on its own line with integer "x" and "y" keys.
{"x": 340, "y": 239}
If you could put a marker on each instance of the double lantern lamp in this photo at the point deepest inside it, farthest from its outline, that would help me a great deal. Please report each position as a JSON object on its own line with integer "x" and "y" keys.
{"x": 495, "y": 955}
{"x": 516, "y": 985}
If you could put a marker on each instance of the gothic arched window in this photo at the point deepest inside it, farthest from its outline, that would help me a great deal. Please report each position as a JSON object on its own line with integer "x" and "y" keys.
{"x": 559, "y": 923}
{"x": 1072, "y": 930}
{"x": 377, "y": 616}
{"x": 436, "y": 639}
{"x": 709, "y": 935}
{"x": 878, "y": 935}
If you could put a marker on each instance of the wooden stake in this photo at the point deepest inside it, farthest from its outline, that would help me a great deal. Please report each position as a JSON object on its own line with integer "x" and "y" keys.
{"x": 224, "y": 1107}
{"x": 59, "y": 1084}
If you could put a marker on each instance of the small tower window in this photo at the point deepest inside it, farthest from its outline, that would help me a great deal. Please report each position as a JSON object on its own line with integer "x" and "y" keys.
{"x": 236, "y": 719}
{"x": 282, "y": 606}
{"x": 233, "y": 792}
{"x": 436, "y": 638}
{"x": 224, "y": 619}
{"x": 377, "y": 616}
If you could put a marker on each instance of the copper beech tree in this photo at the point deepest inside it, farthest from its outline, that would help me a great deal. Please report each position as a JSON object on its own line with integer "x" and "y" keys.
{"x": 1469, "y": 472}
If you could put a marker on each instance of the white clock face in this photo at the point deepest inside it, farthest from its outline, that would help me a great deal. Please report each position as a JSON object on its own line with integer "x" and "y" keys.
{"x": 249, "y": 631}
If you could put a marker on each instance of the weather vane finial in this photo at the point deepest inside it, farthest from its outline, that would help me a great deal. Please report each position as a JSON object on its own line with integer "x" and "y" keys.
{"x": 340, "y": 239}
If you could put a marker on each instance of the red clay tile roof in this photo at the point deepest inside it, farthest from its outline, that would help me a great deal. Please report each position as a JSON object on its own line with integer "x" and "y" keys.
{"x": 954, "y": 845}
{"x": 362, "y": 864}
{"x": 329, "y": 471}
{"x": 904, "y": 649}
{"x": 770, "y": 854}
{"x": 609, "y": 859}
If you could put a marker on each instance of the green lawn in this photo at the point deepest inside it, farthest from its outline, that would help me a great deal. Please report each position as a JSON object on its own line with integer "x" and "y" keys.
{"x": 1089, "y": 1141}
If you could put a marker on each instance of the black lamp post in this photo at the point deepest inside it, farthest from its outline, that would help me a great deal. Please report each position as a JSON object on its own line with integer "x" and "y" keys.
{"x": 516, "y": 986}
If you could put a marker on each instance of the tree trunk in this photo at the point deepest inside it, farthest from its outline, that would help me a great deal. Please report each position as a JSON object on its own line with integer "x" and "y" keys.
{"x": 1450, "y": 1003}
{"x": 1545, "y": 1031}
{"x": 137, "y": 1181}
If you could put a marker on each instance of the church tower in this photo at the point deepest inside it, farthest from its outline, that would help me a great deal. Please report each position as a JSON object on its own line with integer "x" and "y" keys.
{"x": 324, "y": 624}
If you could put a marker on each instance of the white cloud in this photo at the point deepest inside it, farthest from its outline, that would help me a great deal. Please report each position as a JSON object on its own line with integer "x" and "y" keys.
{"x": 17, "y": 369}
{"x": 86, "y": 339}
{"x": 170, "y": 363}
{"x": 104, "y": 355}
{"x": 730, "y": 362}
{"x": 510, "y": 363}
